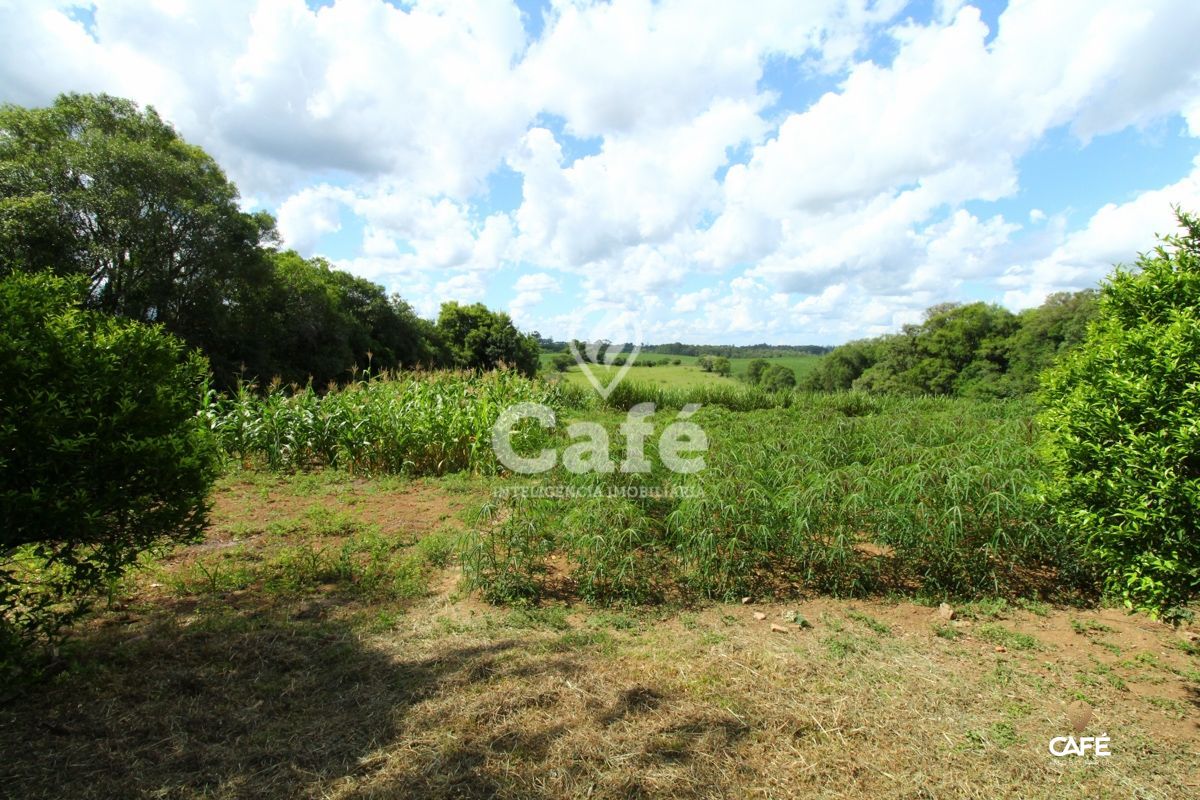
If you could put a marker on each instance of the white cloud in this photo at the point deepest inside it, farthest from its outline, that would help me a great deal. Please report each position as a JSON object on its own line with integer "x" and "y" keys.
{"x": 638, "y": 190}
{"x": 278, "y": 90}
{"x": 850, "y": 185}
{"x": 531, "y": 289}
{"x": 631, "y": 65}
{"x": 1115, "y": 234}
{"x": 705, "y": 190}
{"x": 310, "y": 214}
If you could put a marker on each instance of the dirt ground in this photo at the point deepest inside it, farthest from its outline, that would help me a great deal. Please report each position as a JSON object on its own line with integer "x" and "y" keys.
{"x": 179, "y": 692}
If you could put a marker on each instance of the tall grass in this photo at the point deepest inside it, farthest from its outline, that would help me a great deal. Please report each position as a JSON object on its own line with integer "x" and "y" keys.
{"x": 837, "y": 493}
{"x": 404, "y": 423}
{"x": 733, "y": 396}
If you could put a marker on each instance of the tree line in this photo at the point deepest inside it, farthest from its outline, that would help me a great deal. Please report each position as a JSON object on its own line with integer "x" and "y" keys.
{"x": 739, "y": 351}
{"x": 974, "y": 350}
{"x": 98, "y": 188}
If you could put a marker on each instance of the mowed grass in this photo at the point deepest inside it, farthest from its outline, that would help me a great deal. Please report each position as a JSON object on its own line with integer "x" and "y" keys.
{"x": 686, "y": 374}
{"x": 315, "y": 687}
{"x": 675, "y": 377}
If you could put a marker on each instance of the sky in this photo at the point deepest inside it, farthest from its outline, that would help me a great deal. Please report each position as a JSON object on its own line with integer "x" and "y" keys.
{"x": 721, "y": 172}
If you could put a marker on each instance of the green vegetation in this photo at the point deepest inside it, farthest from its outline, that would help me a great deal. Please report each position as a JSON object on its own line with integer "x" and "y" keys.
{"x": 911, "y": 463}
{"x": 1006, "y": 637}
{"x": 407, "y": 423}
{"x": 682, "y": 372}
{"x": 101, "y": 454}
{"x": 975, "y": 350}
{"x": 94, "y": 186}
{"x": 479, "y": 339}
{"x": 936, "y": 497}
{"x": 1123, "y": 417}
{"x": 718, "y": 364}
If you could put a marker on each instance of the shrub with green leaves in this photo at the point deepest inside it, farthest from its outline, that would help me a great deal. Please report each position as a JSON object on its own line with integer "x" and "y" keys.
{"x": 1123, "y": 418}
{"x": 102, "y": 455}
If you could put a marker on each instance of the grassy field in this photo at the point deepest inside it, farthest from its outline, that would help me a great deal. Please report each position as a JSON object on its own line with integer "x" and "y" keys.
{"x": 686, "y": 374}
{"x": 377, "y": 610}
{"x": 318, "y": 644}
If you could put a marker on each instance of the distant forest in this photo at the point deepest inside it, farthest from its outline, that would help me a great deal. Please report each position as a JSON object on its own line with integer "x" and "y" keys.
{"x": 727, "y": 350}
{"x": 974, "y": 350}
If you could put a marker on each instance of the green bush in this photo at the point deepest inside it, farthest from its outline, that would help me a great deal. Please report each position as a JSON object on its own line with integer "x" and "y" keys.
{"x": 1123, "y": 417}
{"x": 102, "y": 455}
{"x": 755, "y": 370}
{"x": 777, "y": 378}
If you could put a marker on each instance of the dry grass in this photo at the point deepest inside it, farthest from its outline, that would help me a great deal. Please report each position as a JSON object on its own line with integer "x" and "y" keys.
{"x": 253, "y": 693}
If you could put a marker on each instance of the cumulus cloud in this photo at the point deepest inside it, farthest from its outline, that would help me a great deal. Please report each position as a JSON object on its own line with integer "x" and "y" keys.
{"x": 531, "y": 289}
{"x": 656, "y": 158}
{"x": 1115, "y": 234}
{"x": 279, "y": 91}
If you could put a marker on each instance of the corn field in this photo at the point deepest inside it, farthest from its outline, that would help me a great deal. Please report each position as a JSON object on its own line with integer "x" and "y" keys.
{"x": 845, "y": 494}
{"x": 404, "y": 423}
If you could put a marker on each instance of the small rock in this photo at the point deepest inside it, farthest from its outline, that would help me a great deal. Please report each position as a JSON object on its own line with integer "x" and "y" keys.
{"x": 745, "y": 601}
{"x": 778, "y": 628}
{"x": 1001, "y": 649}
{"x": 945, "y": 611}
{"x": 759, "y": 615}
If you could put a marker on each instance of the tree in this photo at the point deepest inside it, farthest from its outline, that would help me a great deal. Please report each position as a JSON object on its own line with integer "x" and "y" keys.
{"x": 97, "y": 187}
{"x": 755, "y": 369}
{"x": 837, "y": 371}
{"x": 1121, "y": 417}
{"x": 320, "y": 323}
{"x": 562, "y": 362}
{"x": 778, "y": 378}
{"x": 1046, "y": 333}
{"x": 975, "y": 350}
{"x": 706, "y": 363}
{"x": 721, "y": 365}
{"x": 476, "y": 338}
{"x": 102, "y": 453}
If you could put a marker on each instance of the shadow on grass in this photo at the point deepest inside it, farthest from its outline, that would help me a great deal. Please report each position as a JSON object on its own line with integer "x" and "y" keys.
{"x": 232, "y": 703}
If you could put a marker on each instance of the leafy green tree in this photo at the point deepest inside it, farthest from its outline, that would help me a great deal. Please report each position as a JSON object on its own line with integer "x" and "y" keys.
{"x": 705, "y": 363}
{"x": 1045, "y": 334}
{"x": 755, "y": 369}
{"x": 975, "y": 350}
{"x": 102, "y": 452}
{"x": 477, "y": 338}
{"x": 1123, "y": 422}
{"x": 838, "y": 370}
{"x": 721, "y": 365}
{"x": 320, "y": 323}
{"x": 97, "y": 187}
{"x": 953, "y": 341}
{"x": 562, "y": 362}
{"x": 777, "y": 378}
